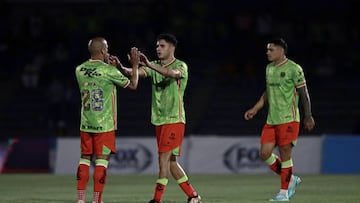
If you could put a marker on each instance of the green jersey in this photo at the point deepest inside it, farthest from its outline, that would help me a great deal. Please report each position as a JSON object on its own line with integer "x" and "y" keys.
{"x": 167, "y": 104}
{"x": 97, "y": 81}
{"x": 283, "y": 99}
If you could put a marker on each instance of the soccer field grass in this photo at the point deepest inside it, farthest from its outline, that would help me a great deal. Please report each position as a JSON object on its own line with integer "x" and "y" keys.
{"x": 40, "y": 188}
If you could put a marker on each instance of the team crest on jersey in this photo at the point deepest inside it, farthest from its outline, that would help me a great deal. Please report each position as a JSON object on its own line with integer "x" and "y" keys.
{"x": 90, "y": 72}
{"x": 282, "y": 74}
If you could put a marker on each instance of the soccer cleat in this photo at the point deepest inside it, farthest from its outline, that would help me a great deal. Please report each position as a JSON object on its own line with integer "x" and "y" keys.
{"x": 195, "y": 199}
{"x": 80, "y": 201}
{"x": 153, "y": 201}
{"x": 94, "y": 202}
{"x": 279, "y": 198}
{"x": 294, "y": 183}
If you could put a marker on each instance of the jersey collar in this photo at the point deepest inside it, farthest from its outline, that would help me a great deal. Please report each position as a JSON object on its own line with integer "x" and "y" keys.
{"x": 92, "y": 60}
{"x": 171, "y": 62}
{"x": 282, "y": 62}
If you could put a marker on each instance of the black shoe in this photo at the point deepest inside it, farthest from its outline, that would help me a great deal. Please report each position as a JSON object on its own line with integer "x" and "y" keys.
{"x": 153, "y": 201}
{"x": 195, "y": 199}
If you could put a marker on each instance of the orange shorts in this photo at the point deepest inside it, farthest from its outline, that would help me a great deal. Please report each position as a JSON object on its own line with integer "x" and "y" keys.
{"x": 97, "y": 143}
{"x": 169, "y": 137}
{"x": 281, "y": 134}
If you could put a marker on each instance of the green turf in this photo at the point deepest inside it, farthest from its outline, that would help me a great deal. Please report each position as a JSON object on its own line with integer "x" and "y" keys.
{"x": 35, "y": 188}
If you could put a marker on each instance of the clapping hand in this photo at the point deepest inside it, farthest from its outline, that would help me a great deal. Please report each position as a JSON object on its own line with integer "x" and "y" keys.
{"x": 114, "y": 60}
{"x": 134, "y": 56}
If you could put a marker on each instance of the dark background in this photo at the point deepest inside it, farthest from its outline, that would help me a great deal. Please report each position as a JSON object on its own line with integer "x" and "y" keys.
{"x": 223, "y": 43}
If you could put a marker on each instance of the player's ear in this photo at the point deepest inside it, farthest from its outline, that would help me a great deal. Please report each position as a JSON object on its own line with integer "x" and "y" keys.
{"x": 103, "y": 51}
{"x": 172, "y": 47}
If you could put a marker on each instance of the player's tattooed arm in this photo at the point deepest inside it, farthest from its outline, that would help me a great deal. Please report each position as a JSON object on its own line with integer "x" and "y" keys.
{"x": 309, "y": 122}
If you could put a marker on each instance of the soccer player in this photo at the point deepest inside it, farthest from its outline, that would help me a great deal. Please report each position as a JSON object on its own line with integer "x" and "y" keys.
{"x": 285, "y": 82}
{"x": 97, "y": 80}
{"x": 168, "y": 77}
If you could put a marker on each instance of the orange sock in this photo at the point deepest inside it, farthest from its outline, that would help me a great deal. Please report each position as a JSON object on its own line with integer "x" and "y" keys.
{"x": 82, "y": 178}
{"x": 99, "y": 179}
{"x": 286, "y": 173}
{"x": 186, "y": 186}
{"x": 160, "y": 188}
{"x": 274, "y": 163}
{"x": 276, "y": 167}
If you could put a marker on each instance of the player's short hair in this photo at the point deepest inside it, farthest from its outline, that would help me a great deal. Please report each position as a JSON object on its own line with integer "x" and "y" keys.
{"x": 279, "y": 42}
{"x": 168, "y": 38}
{"x": 96, "y": 44}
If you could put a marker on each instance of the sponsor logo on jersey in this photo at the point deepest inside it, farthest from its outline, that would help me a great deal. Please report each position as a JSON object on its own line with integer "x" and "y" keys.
{"x": 90, "y": 72}
{"x": 89, "y": 127}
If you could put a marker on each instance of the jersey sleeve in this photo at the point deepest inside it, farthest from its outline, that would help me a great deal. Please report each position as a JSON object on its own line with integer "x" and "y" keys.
{"x": 182, "y": 67}
{"x": 148, "y": 71}
{"x": 299, "y": 77}
{"x": 114, "y": 75}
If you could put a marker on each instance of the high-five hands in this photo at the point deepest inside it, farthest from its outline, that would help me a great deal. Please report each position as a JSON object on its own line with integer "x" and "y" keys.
{"x": 133, "y": 57}
{"x": 114, "y": 60}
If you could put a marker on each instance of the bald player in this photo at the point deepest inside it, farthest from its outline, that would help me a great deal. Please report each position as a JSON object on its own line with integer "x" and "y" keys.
{"x": 97, "y": 79}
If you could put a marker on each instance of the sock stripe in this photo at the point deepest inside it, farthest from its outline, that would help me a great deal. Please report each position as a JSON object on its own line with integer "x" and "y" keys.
{"x": 183, "y": 179}
{"x": 271, "y": 160}
{"x": 84, "y": 161}
{"x": 287, "y": 164}
{"x": 101, "y": 162}
{"x": 162, "y": 181}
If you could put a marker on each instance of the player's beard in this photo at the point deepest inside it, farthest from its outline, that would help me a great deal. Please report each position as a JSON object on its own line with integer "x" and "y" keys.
{"x": 160, "y": 56}
{"x": 163, "y": 56}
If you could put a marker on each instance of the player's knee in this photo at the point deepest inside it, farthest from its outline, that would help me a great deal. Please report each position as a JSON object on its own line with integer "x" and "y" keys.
{"x": 103, "y": 156}
{"x": 86, "y": 156}
{"x": 264, "y": 155}
{"x": 173, "y": 158}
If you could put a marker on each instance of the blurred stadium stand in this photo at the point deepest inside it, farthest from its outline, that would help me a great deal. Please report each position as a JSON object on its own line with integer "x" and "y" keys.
{"x": 41, "y": 42}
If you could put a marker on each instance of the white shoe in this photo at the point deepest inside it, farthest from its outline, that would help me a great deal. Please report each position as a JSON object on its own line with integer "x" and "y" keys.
{"x": 295, "y": 181}
{"x": 80, "y": 201}
{"x": 196, "y": 199}
{"x": 94, "y": 202}
{"x": 279, "y": 198}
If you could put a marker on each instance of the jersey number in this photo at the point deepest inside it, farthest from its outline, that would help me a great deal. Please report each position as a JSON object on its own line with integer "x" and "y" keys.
{"x": 92, "y": 100}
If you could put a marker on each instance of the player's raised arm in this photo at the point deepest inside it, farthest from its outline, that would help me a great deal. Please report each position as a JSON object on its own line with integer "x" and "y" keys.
{"x": 249, "y": 114}
{"x": 124, "y": 70}
{"x": 134, "y": 60}
{"x": 163, "y": 70}
{"x": 309, "y": 122}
